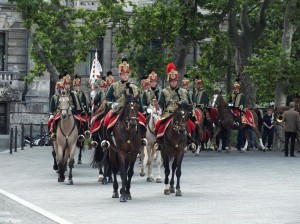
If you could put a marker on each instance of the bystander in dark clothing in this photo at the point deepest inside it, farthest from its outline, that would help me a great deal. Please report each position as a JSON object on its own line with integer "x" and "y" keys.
{"x": 268, "y": 130}
{"x": 240, "y": 139}
{"x": 292, "y": 125}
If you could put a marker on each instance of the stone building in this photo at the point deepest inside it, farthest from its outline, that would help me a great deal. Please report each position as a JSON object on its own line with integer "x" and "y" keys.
{"x": 22, "y": 103}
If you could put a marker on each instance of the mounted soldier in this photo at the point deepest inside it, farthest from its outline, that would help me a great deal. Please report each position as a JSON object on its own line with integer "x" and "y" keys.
{"x": 237, "y": 102}
{"x": 115, "y": 98}
{"x": 186, "y": 85}
{"x": 84, "y": 103}
{"x": 145, "y": 86}
{"x": 53, "y": 106}
{"x": 109, "y": 79}
{"x": 152, "y": 94}
{"x": 75, "y": 106}
{"x": 167, "y": 102}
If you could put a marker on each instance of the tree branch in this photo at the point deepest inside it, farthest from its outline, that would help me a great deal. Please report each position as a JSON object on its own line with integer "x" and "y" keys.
{"x": 233, "y": 30}
{"x": 256, "y": 33}
{"x": 244, "y": 21}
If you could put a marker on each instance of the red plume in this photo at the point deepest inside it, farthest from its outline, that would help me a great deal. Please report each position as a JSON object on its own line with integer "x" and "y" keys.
{"x": 170, "y": 67}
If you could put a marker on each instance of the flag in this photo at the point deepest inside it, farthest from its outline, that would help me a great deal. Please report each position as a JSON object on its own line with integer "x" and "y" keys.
{"x": 95, "y": 70}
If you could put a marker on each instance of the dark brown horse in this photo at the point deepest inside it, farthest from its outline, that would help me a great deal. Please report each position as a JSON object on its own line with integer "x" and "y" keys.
{"x": 100, "y": 160}
{"x": 125, "y": 143}
{"x": 173, "y": 143}
{"x": 225, "y": 123}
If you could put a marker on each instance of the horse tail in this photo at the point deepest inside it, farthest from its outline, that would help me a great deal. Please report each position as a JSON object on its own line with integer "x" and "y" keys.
{"x": 259, "y": 118}
{"x": 97, "y": 158}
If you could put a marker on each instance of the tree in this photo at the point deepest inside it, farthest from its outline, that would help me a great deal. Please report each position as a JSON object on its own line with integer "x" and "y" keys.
{"x": 61, "y": 35}
{"x": 243, "y": 40}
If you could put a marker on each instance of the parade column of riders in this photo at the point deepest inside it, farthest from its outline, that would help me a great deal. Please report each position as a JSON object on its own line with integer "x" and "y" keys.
{"x": 162, "y": 102}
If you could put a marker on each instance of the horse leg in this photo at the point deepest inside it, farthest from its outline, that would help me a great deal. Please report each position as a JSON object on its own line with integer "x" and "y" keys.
{"x": 55, "y": 166}
{"x": 151, "y": 152}
{"x": 214, "y": 139}
{"x": 128, "y": 182}
{"x": 159, "y": 162}
{"x": 178, "y": 175}
{"x": 115, "y": 185}
{"x": 79, "y": 155}
{"x": 174, "y": 166}
{"x": 256, "y": 131}
{"x": 247, "y": 140}
{"x": 123, "y": 174}
{"x": 167, "y": 173}
{"x": 143, "y": 158}
{"x": 71, "y": 166}
{"x": 227, "y": 140}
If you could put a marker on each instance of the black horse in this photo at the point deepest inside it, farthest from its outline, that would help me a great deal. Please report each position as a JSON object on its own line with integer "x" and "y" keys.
{"x": 173, "y": 143}
{"x": 125, "y": 142}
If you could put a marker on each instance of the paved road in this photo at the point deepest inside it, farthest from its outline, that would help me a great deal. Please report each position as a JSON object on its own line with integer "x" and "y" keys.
{"x": 254, "y": 187}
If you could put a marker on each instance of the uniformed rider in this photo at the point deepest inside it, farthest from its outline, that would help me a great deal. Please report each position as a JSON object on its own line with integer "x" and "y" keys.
{"x": 237, "y": 102}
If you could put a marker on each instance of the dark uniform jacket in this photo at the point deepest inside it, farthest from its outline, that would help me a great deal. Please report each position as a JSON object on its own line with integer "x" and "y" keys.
{"x": 148, "y": 96}
{"x": 168, "y": 98}
{"x": 200, "y": 98}
{"x": 98, "y": 99}
{"x": 238, "y": 100}
{"x": 53, "y": 106}
{"x": 84, "y": 101}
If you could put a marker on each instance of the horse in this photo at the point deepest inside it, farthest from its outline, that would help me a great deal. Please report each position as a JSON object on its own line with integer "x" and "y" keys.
{"x": 66, "y": 138}
{"x": 147, "y": 156}
{"x": 125, "y": 142}
{"x": 173, "y": 143}
{"x": 226, "y": 122}
{"x": 100, "y": 160}
{"x": 80, "y": 145}
{"x": 199, "y": 130}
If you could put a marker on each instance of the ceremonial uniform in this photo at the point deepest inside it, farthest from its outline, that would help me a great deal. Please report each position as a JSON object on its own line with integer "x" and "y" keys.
{"x": 115, "y": 98}
{"x": 237, "y": 101}
{"x": 169, "y": 96}
{"x": 200, "y": 96}
{"x": 53, "y": 106}
{"x": 152, "y": 93}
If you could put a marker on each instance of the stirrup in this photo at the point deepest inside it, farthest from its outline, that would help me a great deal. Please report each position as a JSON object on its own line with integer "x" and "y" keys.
{"x": 87, "y": 132}
{"x": 94, "y": 143}
{"x": 105, "y": 144}
{"x": 144, "y": 142}
{"x": 81, "y": 138}
{"x": 236, "y": 124}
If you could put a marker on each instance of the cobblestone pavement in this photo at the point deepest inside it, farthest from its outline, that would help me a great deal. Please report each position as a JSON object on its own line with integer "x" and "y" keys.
{"x": 217, "y": 188}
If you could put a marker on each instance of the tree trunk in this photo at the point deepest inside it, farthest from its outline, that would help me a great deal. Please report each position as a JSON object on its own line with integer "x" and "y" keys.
{"x": 181, "y": 52}
{"x": 287, "y": 37}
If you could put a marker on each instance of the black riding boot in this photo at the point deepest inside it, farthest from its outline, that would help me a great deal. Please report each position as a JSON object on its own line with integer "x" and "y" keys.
{"x": 53, "y": 135}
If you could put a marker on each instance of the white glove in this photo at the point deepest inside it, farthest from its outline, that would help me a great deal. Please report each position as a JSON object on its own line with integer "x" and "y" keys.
{"x": 114, "y": 105}
{"x": 159, "y": 112}
{"x": 149, "y": 110}
{"x": 51, "y": 116}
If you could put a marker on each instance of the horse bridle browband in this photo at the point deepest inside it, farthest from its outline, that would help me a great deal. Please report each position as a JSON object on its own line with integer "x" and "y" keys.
{"x": 129, "y": 118}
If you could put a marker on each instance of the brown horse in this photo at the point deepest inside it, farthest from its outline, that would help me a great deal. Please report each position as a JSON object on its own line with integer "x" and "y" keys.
{"x": 125, "y": 142}
{"x": 225, "y": 122}
{"x": 173, "y": 143}
{"x": 65, "y": 144}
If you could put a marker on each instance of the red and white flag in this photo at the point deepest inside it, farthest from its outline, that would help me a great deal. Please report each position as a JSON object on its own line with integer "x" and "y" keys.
{"x": 95, "y": 70}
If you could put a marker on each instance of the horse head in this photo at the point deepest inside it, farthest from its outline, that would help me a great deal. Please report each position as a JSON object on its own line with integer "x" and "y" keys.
{"x": 218, "y": 100}
{"x": 181, "y": 116}
{"x": 64, "y": 106}
{"x": 131, "y": 110}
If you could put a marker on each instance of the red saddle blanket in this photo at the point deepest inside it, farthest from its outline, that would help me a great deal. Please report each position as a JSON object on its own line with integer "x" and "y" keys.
{"x": 57, "y": 117}
{"x": 213, "y": 112}
{"x": 198, "y": 115}
{"x": 95, "y": 124}
{"x": 162, "y": 125}
{"x": 110, "y": 120}
{"x": 247, "y": 117}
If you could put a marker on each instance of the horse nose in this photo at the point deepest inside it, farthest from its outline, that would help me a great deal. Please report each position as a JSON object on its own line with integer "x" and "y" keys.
{"x": 63, "y": 115}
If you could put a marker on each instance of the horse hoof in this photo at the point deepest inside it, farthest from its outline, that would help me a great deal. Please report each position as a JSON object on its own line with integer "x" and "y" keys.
{"x": 115, "y": 195}
{"x": 167, "y": 192}
{"x": 110, "y": 181}
{"x": 172, "y": 190}
{"x": 55, "y": 167}
{"x": 178, "y": 193}
{"x": 70, "y": 182}
{"x": 197, "y": 154}
{"x": 123, "y": 199}
{"x": 149, "y": 179}
{"x": 79, "y": 162}
{"x": 100, "y": 178}
{"x": 158, "y": 180}
{"x": 104, "y": 181}
{"x": 61, "y": 179}
{"x": 242, "y": 151}
{"x": 219, "y": 150}
{"x": 228, "y": 151}
{"x": 128, "y": 197}
{"x": 142, "y": 174}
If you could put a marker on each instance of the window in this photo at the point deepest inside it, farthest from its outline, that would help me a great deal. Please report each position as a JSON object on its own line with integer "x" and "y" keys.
{"x": 3, "y": 124}
{"x": 2, "y": 51}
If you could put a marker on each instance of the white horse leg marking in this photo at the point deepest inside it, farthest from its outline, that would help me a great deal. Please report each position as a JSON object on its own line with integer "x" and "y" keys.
{"x": 159, "y": 163}
{"x": 261, "y": 143}
{"x": 245, "y": 146}
{"x": 198, "y": 151}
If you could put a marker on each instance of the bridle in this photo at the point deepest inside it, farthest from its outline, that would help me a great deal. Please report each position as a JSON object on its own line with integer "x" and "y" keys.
{"x": 180, "y": 124}
{"x": 131, "y": 120}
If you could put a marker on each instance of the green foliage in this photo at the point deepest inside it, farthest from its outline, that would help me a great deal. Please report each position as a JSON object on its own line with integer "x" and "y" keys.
{"x": 64, "y": 35}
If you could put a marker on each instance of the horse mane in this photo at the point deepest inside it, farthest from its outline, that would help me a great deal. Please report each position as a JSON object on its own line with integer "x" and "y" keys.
{"x": 259, "y": 118}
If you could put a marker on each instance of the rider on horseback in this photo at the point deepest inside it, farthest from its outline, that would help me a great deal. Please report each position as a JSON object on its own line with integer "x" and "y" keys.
{"x": 75, "y": 105}
{"x": 84, "y": 103}
{"x": 200, "y": 97}
{"x": 115, "y": 98}
{"x": 152, "y": 93}
{"x": 168, "y": 98}
{"x": 186, "y": 84}
{"x": 237, "y": 103}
